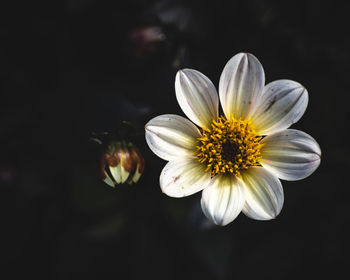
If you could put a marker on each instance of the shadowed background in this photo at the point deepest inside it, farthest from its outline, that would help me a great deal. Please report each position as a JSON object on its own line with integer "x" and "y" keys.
{"x": 70, "y": 68}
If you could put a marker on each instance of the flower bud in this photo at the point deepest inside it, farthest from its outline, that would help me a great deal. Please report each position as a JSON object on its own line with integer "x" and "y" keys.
{"x": 145, "y": 40}
{"x": 121, "y": 163}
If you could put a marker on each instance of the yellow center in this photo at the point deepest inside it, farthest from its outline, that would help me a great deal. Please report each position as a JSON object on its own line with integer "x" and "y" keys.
{"x": 229, "y": 147}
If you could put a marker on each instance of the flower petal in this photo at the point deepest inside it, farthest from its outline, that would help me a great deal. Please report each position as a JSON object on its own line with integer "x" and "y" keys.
{"x": 223, "y": 199}
{"x": 183, "y": 177}
{"x": 290, "y": 154}
{"x": 116, "y": 172}
{"x": 241, "y": 84}
{"x": 171, "y": 136}
{"x": 283, "y": 103}
{"x": 197, "y": 97}
{"x": 264, "y": 194}
{"x": 108, "y": 180}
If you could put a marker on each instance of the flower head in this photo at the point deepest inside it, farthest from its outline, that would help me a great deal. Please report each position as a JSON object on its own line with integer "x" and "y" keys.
{"x": 238, "y": 158}
{"x": 120, "y": 160}
{"x": 121, "y": 163}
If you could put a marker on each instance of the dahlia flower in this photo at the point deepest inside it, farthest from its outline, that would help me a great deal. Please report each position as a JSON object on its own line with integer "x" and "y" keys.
{"x": 236, "y": 158}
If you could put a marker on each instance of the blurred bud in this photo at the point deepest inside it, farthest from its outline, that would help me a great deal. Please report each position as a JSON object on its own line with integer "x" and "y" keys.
{"x": 146, "y": 40}
{"x": 121, "y": 163}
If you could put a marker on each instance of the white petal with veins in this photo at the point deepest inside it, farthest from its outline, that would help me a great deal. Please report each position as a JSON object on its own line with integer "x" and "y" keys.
{"x": 183, "y": 177}
{"x": 171, "y": 136}
{"x": 223, "y": 199}
{"x": 264, "y": 194}
{"x": 241, "y": 85}
{"x": 197, "y": 97}
{"x": 283, "y": 103}
{"x": 291, "y": 154}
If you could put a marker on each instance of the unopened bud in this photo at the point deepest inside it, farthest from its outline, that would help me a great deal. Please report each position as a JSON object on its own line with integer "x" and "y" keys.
{"x": 121, "y": 163}
{"x": 146, "y": 40}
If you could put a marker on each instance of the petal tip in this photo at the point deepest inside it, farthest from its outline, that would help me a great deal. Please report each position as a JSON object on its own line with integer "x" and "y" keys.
{"x": 180, "y": 72}
{"x": 183, "y": 72}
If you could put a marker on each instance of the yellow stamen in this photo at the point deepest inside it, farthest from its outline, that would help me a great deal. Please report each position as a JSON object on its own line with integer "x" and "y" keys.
{"x": 229, "y": 147}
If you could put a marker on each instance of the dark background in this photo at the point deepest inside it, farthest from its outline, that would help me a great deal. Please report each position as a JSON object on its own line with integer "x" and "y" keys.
{"x": 70, "y": 68}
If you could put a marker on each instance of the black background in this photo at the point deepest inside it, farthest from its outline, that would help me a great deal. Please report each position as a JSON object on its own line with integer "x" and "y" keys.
{"x": 70, "y": 68}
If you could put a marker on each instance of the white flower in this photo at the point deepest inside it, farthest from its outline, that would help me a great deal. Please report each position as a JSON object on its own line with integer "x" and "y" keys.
{"x": 238, "y": 158}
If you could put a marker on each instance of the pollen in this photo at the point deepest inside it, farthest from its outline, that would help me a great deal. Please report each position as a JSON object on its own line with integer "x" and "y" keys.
{"x": 230, "y": 146}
